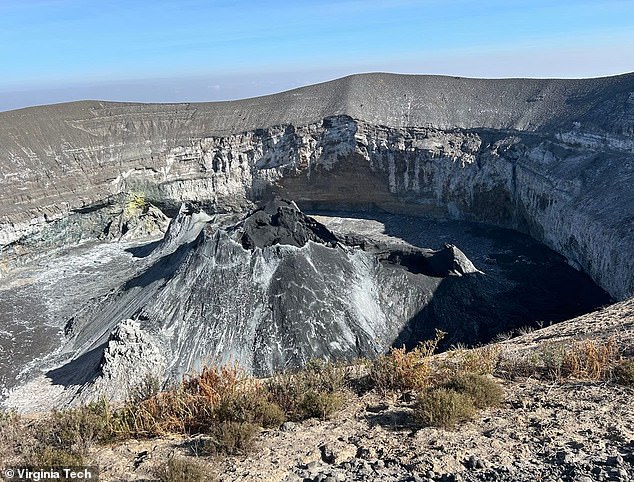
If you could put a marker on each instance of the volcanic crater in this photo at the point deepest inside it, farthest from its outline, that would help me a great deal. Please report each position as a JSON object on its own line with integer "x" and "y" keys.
{"x": 332, "y": 221}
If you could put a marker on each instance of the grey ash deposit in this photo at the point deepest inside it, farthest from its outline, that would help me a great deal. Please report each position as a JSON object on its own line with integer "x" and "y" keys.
{"x": 277, "y": 288}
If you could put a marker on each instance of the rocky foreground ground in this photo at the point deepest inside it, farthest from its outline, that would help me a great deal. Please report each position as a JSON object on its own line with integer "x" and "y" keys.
{"x": 547, "y": 429}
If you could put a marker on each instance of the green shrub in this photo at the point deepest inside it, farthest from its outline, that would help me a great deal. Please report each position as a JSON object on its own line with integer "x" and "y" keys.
{"x": 314, "y": 391}
{"x": 440, "y": 407}
{"x": 483, "y": 391}
{"x": 552, "y": 358}
{"x": 180, "y": 469}
{"x": 623, "y": 373}
{"x": 250, "y": 406}
{"x": 320, "y": 404}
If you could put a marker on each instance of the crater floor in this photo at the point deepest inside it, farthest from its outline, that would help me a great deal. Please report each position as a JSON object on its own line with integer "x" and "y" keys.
{"x": 523, "y": 284}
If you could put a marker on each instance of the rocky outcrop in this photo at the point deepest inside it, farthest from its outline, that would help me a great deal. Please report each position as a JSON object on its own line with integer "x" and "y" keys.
{"x": 130, "y": 360}
{"x": 281, "y": 222}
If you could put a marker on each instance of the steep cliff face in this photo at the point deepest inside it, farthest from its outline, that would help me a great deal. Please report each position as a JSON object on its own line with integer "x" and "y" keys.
{"x": 553, "y": 158}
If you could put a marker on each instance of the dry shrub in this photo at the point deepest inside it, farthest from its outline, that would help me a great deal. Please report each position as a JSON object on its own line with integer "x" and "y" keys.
{"x": 440, "y": 407}
{"x": 483, "y": 391}
{"x": 226, "y": 397}
{"x": 180, "y": 469}
{"x": 623, "y": 372}
{"x": 189, "y": 408}
{"x": 230, "y": 438}
{"x": 402, "y": 370}
{"x": 214, "y": 382}
{"x": 589, "y": 359}
{"x": 314, "y": 391}
{"x": 174, "y": 411}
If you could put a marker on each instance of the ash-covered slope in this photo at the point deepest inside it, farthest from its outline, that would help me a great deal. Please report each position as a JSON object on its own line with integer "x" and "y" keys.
{"x": 553, "y": 158}
{"x": 272, "y": 291}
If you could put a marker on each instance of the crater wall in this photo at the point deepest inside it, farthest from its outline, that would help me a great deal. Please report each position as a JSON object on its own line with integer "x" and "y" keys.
{"x": 553, "y": 158}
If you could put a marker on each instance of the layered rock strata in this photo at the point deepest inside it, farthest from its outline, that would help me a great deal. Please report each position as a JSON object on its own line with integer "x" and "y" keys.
{"x": 554, "y": 158}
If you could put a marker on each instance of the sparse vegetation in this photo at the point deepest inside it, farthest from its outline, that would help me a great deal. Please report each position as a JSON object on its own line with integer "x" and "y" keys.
{"x": 65, "y": 437}
{"x": 228, "y": 407}
{"x": 403, "y": 370}
{"x": 441, "y": 407}
{"x": 623, "y": 372}
{"x": 179, "y": 469}
{"x": 136, "y": 203}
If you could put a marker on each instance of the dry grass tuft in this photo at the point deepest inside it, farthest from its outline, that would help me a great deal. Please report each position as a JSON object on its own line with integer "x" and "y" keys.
{"x": 482, "y": 360}
{"x": 589, "y": 359}
{"x": 401, "y": 370}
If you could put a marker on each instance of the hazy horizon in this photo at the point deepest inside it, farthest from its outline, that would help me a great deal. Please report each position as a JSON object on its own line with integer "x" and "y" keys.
{"x": 194, "y": 50}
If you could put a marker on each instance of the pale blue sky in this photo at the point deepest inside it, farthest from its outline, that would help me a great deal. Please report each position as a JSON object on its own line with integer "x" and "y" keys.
{"x": 194, "y": 50}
